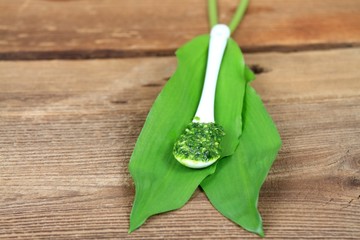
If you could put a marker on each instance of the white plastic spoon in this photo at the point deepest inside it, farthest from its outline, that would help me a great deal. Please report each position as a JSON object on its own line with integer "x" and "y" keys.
{"x": 199, "y": 145}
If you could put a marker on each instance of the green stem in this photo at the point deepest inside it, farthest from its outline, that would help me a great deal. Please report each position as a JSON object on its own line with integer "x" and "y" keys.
{"x": 238, "y": 14}
{"x": 212, "y": 12}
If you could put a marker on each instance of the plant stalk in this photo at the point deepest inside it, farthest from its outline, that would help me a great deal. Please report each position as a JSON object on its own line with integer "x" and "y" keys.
{"x": 212, "y": 10}
{"x": 239, "y": 14}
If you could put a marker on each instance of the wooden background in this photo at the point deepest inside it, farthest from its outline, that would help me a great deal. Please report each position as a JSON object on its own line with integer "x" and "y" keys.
{"x": 77, "y": 79}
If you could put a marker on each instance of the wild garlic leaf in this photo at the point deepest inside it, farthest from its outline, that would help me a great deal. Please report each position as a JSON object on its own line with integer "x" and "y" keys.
{"x": 234, "y": 188}
{"x": 162, "y": 183}
{"x": 230, "y": 91}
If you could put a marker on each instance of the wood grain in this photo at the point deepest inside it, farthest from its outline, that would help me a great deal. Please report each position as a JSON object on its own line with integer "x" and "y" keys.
{"x": 67, "y": 130}
{"x": 34, "y": 29}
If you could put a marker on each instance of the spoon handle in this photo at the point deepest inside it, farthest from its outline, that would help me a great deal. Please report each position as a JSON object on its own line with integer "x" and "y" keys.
{"x": 218, "y": 39}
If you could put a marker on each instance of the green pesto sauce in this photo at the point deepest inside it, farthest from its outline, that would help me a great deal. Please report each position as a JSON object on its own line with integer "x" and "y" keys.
{"x": 199, "y": 142}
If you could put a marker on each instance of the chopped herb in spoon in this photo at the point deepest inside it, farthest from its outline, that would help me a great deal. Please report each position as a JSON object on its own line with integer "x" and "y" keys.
{"x": 200, "y": 141}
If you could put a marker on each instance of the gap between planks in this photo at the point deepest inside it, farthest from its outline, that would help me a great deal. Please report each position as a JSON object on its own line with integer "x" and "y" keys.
{"x": 113, "y": 53}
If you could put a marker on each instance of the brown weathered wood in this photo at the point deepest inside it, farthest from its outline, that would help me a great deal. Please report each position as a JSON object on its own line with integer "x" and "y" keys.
{"x": 67, "y": 129}
{"x": 31, "y": 29}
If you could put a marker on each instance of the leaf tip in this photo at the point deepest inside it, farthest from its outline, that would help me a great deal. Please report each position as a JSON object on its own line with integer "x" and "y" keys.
{"x": 134, "y": 226}
{"x": 131, "y": 228}
{"x": 136, "y": 219}
{"x": 260, "y": 232}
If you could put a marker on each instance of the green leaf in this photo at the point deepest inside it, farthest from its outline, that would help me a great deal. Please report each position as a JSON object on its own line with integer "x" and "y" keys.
{"x": 249, "y": 75}
{"x": 230, "y": 91}
{"x": 161, "y": 183}
{"x": 234, "y": 188}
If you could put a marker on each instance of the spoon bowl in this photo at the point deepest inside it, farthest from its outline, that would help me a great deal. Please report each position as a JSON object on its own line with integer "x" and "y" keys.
{"x": 199, "y": 145}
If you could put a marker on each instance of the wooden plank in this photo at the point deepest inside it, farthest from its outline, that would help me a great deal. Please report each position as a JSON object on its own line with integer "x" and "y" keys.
{"x": 67, "y": 130}
{"x": 111, "y": 28}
